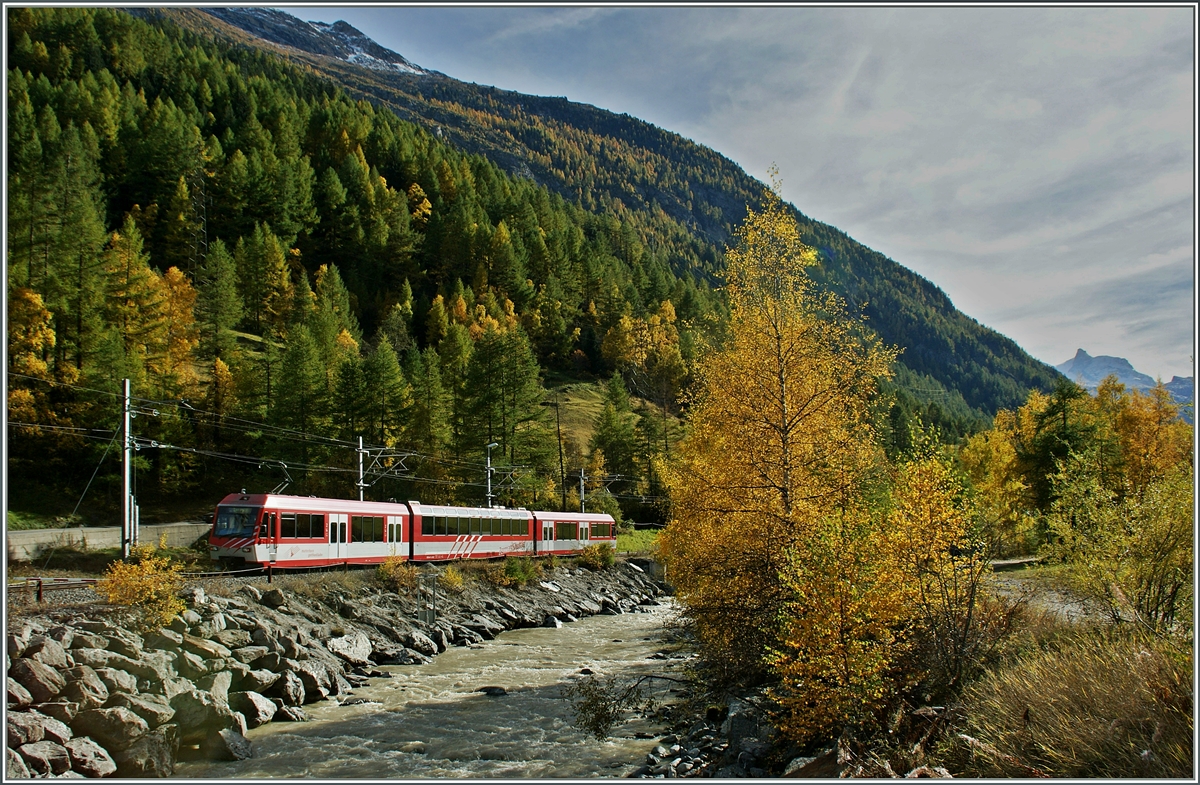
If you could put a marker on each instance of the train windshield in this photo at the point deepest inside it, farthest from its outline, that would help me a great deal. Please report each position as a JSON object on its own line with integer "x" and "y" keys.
{"x": 236, "y": 521}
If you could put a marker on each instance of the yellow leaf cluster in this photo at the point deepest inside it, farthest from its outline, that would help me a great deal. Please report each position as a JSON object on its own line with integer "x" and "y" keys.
{"x": 149, "y": 584}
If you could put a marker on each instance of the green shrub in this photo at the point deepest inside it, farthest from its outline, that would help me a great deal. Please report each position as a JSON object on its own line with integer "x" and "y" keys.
{"x": 515, "y": 571}
{"x": 598, "y": 556}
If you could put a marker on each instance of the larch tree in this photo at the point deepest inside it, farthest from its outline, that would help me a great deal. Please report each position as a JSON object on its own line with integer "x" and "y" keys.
{"x": 769, "y": 529}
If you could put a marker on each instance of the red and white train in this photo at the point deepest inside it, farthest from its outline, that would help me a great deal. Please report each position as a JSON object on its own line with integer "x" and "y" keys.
{"x": 305, "y": 531}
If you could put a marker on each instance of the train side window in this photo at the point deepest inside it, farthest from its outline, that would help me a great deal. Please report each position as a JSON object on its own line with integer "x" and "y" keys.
{"x": 287, "y": 524}
{"x": 583, "y": 533}
{"x": 439, "y": 525}
{"x": 377, "y": 528}
{"x": 316, "y": 525}
{"x": 426, "y": 525}
{"x": 264, "y": 530}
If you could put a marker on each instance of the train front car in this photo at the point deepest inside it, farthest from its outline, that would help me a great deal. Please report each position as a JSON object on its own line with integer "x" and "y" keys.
{"x": 565, "y": 533}
{"x": 234, "y": 536}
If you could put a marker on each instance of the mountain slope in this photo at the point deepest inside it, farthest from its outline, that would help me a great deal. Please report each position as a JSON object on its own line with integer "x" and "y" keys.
{"x": 682, "y": 198}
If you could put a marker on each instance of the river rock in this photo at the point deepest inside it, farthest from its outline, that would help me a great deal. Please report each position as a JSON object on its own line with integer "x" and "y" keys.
{"x": 154, "y": 709}
{"x": 257, "y": 709}
{"x": 89, "y": 758}
{"x": 257, "y": 680}
{"x": 232, "y": 639}
{"x": 249, "y": 654}
{"x": 53, "y": 729}
{"x": 226, "y": 744}
{"x": 193, "y": 596}
{"x": 18, "y": 696}
{"x": 18, "y": 639}
{"x": 354, "y": 648}
{"x": 126, "y": 645}
{"x": 418, "y": 641}
{"x": 114, "y": 728}
{"x": 153, "y": 755}
{"x": 88, "y": 640}
{"x": 173, "y": 687}
{"x": 273, "y": 598}
{"x": 23, "y": 728}
{"x": 206, "y": 649}
{"x": 14, "y": 766}
{"x": 103, "y": 658}
{"x": 290, "y": 714}
{"x": 191, "y": 666}
{"x": 61, "y": 710}
{"x": 217, "y": 685}
{"x": 164, "y": 639}
{"x": 47, "y": 651}
{"x": 199, "y": 713}
{"x": 117, "y": 681}
{"x": 318, "y": 682}
{"x": 42, "y": 682}
{"x": 487, "y": 627}
{"x": 85, "y": 687}
{"x": 289, "y": 689}
{"x": 45, "y": 758}
{"x": 551, "y": 622}
{"x": 440, "y": 639}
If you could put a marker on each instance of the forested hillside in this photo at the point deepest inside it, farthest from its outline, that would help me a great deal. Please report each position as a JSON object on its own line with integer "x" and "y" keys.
{"x": 268, "y": 259}
{"x": 681, "y": 199}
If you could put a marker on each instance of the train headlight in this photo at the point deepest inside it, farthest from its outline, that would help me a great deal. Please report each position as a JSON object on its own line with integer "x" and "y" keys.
{"x": 246, "y": 549}
{"x": 213, "y": 548}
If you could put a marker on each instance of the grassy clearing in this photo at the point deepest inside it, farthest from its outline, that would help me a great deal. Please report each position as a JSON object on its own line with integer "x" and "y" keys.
{"x": 637, "y": 541}
{"x": 18, "y": 520}
{"x": 1094, "y": 705}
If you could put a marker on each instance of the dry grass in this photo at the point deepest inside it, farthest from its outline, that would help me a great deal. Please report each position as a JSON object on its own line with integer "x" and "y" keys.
{"x": 1088, "y": 705}
{"x": 320, "y": 585}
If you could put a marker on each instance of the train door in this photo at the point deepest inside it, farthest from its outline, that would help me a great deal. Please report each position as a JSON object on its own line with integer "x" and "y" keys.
{"x": 268, "y": 535}
{"x": 548, "y": 536}
{"x": 337, "y": 535}
{"x": 395, "y": 535}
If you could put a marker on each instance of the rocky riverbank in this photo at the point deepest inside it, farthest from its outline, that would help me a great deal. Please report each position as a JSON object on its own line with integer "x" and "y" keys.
{"x": 89, "y": 696}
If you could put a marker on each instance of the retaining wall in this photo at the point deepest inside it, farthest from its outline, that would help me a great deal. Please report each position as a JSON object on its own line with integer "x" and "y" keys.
{"x": 28, "y": 545}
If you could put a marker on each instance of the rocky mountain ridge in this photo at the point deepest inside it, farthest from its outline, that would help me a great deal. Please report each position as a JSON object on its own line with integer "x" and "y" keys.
{"x": 1089, "y": 371}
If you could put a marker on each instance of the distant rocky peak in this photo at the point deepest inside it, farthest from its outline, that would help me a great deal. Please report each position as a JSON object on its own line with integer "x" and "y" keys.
{"x": 339, "y": 40}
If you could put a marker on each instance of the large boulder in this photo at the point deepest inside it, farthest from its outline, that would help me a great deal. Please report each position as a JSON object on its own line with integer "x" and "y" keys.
{"x": 249, "y": 653}
{"x": 257, "y": 709}
{"x": 52, "y": 729}
{"x": 226, "y": 744}
{"x": 206, "y": 649}
{"x": 164, "y": 640}
{"x": 18, "y": 696}
{"x": 153, "y": 755}
{"x": 85, "y": 687}
{"x": 418, "y": 641}
{"x": 354, "y": 648}
{"x": 88, "y": 640}
{"x": 103, "y": 658}
{"x": 317, "y": 680}
{"x": 154, "y": 665}
{"x": 117, "y": 727}
{"x": 217, "y": 685}
{"x": 43, "y": 682}
{"x": 14, "y": 766}
{"x": 126, "y": 644}
{"x": 154, "y": 709}
{"x": 199, "y": 713}
{"x": 61, "y": 710}
{"x": 289, "y": 689}
{"x": 47, "y": 651}
{"x": 117, "y": 680}
{"x": 23, "y": 728}
{"x": 257, "y": 680}
{"x": 89, "y": 758}
{"x": 232, "y": 639}
{"x": 191, "y": 666}
{"x": 45, "y": 758}
{"x": 273, "y": 598}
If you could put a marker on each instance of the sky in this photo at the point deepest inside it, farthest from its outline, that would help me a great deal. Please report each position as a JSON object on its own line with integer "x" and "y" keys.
{"x": 1038, "y": 164}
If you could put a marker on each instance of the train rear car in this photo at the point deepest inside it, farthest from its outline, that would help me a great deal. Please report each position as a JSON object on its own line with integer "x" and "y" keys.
{"x": 565, "y": 533}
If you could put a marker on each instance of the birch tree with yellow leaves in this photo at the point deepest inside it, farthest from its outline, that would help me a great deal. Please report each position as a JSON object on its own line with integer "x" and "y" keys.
{"x": 773, "y": 549}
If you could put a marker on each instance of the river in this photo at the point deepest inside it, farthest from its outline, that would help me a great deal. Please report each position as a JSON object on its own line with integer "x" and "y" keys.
{"x": 430, "y": 721}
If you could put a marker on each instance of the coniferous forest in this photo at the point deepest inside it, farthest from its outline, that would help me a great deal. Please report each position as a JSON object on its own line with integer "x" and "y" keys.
{"x": 281, "y": 270}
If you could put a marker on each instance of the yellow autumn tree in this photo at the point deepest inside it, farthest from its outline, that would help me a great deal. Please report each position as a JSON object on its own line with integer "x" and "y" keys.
{"x": 771, "y": 546}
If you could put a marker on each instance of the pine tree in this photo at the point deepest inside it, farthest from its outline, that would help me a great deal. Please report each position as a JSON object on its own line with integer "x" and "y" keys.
{"x": 219, "y": 303}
